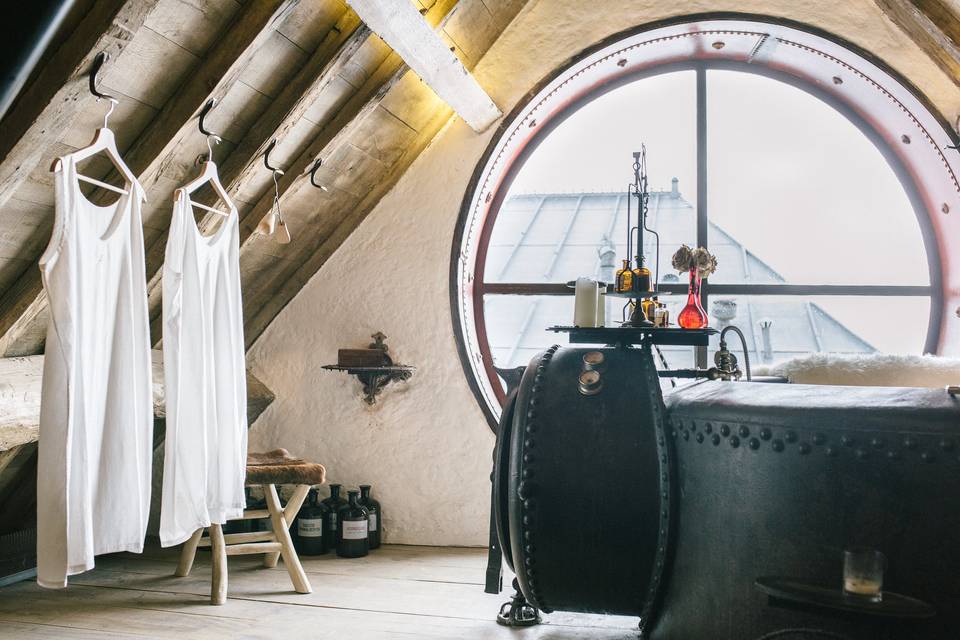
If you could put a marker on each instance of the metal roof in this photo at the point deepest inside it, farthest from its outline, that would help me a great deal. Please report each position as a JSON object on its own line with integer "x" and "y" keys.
{"x": 560, "y": 238}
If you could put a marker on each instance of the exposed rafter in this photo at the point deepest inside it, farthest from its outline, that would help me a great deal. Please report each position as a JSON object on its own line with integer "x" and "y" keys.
{"x": 23, "y": 307}
{"x": 59, "y": 93}
{"x": 404, "y": 29}
{"x": 933, "y": 26}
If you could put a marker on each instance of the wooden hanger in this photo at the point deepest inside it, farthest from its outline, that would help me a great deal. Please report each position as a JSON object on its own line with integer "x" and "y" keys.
{"x": 103, "y": 140}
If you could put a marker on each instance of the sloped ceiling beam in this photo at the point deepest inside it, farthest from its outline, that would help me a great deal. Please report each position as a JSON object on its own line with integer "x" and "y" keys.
{"x": 50, "y": 104}
{"x": 23, "y": 307}
{"x": 403, "y": 28}
{"x": 933, "y": 26}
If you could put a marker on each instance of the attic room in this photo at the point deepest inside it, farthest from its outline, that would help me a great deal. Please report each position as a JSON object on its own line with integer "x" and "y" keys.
{"x": 535, "y": 319}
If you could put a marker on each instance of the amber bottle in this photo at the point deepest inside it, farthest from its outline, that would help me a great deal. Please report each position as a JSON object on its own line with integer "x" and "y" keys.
{"x": 333, "y": 505}
{"x": 624, "y": 278}
{"x": 353, "y": 528}
{"x": 374, "y": 515}
{"x": 642, "y": 279}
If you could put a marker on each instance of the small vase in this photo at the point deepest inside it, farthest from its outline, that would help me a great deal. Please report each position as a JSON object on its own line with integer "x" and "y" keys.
{"x": 693, "y": 316}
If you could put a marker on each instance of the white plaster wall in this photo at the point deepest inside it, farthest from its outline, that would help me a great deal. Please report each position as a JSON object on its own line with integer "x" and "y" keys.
{"x": 425, "y": 446}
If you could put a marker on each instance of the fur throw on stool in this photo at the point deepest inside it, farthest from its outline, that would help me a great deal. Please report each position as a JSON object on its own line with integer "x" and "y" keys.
{"x": 279, "y": 467}
{"x": 866, "y": 370}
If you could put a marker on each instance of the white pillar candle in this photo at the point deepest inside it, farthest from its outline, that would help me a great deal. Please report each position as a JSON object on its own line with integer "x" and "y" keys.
{"x": 601, "y": 308}
{"x": 585, "y": 303}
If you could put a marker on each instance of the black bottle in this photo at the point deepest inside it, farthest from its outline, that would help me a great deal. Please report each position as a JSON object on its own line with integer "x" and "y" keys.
{"x": 374, "y": 517}
{"x": 311, "y": 538}
{"x": 333, "y": 504}
{"x": 352, "y": 526}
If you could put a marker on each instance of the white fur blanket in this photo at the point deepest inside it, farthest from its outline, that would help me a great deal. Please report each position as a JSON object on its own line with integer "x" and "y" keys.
{"x": 869, "y": 370}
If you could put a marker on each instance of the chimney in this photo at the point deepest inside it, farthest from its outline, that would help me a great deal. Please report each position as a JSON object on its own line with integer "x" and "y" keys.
{"x": 675, "y": 188}
{"x": 766, "y": 355}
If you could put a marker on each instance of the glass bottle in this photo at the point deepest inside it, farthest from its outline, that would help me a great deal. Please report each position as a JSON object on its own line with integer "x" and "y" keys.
{"x": 693, "y": 316}
{"x": 333, "y": 504}
{"x": 648, "y": 305}
{"x": 353, "y": 528}
{"x": 624, "y": 278}
{"x": 642, "y": 279}
{"x": 374, "y": 515}
{"x": 311, "y": 539}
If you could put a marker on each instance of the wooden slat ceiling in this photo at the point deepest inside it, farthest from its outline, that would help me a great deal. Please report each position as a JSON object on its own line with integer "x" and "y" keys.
{"x": 307, "y": 73}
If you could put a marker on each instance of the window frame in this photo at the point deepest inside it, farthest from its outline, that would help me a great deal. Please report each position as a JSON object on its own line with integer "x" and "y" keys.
{"x": 828, "y": 94}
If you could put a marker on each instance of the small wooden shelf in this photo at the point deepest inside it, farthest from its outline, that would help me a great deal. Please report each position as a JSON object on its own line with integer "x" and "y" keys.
{"x": 637, "y": 335}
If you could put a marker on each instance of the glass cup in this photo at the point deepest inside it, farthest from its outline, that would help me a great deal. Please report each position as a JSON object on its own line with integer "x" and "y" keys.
{"x": 863, "y": 573}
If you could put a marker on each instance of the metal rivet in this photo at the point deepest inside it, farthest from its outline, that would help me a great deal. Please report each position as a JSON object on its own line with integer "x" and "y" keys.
{"x": 528, "y": 443}
{"x": 531, "y": 427}
{"x": 754, "y": 444}
{"x": 622, "y": 62}
{"x": 910, "y": 443}
{"x": 693, "y": 426}
{"x": 719, "y": 44}
{"x": 724, "y": 430}
{"x": 893, "y": 454}
{"x": 837, "y": 80}
{"x": 877, "y": 443}
{"x": 708, "y": 428}
{"x": 847, "y": 441}
{"x": 529, "y": 548}
{"x": 715, "y": 439}
{"x": 927, "y": 456}
{"x": 527, "y": 520}
{"x": 528, "y": 457}
{"x": 790, "y": 436}
{"x": 674, "y": 433}
{"x": 804, "y": 448}
{"x": 766, "y": 434}
{"x": 819, "y": 438}
{"x": 530, "y": 504}
{"x": 531, "y": 414}
{"x": 830, "y": 451}
{"x": 905, "y": 139}
{"x": 699, "y": 437}
{"x": 861, "y": 454}
{"x": 777, "y": 445}
{"x": 744, "y": 431}
{"x": 529, "y": 562}
{"x": 680, "y": 424}
{"x": 528, "y": 535}
{"x": 686, "y": 435}
{"x": 734, "y": 441}
{"x": 528, "y": 473}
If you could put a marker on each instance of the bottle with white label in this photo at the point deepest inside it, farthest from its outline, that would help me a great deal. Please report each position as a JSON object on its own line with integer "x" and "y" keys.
{"x": 374, "y": 515}
{"x": 333, "y": 504}
{"x": 353, "y": 527}
{"x": 310, "y": 539}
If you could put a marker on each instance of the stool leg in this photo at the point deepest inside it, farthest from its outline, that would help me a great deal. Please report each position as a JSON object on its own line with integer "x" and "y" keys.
{"x": 218, "y": 587}
{"x": 187, "y": 553}
{"x": 270, "y": 559}
{"x": 290, "y": 559}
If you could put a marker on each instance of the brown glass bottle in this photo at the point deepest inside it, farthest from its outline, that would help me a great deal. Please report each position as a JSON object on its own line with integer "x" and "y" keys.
{"x": 374, "y": 515}
{"x": 311, "y": 537}
{"x": 642, "y": 279}
{"x": 333, "y": 504}
{"x": 624, "y": 278}
{"x": 353, "y": 528}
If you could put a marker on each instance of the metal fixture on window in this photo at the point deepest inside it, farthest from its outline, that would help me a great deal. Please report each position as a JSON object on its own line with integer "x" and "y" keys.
{"x": 724, "y": 310}
{"x": 767, "y": 354}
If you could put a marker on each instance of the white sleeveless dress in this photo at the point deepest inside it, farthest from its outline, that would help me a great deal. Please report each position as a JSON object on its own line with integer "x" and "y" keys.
{"x": 96, "y": 414}
{"x": 205, "y": 376}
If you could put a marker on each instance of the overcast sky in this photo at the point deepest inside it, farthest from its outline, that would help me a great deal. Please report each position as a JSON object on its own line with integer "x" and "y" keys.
{"x": 789, "y": 177}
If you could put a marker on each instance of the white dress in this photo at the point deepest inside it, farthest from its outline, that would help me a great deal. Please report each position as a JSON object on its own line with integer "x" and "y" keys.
{"x": 205, "y": 376}
{"x": 96, "y": 414}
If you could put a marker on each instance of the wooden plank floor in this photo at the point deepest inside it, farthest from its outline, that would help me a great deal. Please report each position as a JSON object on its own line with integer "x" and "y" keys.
{"x": 395, "y": 592}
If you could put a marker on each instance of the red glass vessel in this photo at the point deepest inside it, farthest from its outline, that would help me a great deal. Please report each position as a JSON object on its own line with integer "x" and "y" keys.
{"x": 693, "y": 316}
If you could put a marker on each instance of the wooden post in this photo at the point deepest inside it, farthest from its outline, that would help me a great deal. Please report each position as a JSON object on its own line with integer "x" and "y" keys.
{"x": 218, "y": 586}
{"x": 290, "y": 559}
{"x": 187, "y": 554}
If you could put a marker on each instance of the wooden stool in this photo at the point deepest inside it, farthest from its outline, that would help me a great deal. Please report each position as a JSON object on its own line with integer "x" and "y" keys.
{"x": 267, "y": 470}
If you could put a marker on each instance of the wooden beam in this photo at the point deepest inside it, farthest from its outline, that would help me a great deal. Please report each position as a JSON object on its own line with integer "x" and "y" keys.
{"x": 405, "y": 30}
{"x": 23, "y": 307}
{"x": 932, "y": 26}
{"x": 60, "y": 91}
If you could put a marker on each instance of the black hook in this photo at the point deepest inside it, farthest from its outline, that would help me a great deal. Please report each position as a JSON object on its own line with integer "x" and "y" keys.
{"x": 266, "y": 157}
{"x": 203, "y": 114}
{"x": 313, "y": 174}
{"x": 98, "y": 63}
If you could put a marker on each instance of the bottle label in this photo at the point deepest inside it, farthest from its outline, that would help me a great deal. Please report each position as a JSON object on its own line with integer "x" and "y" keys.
{"x": 312, "y": 528}
{"x": 372, "y": 521}
{"x": 354, "y": 529}
{"x": 333, "y": 522}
